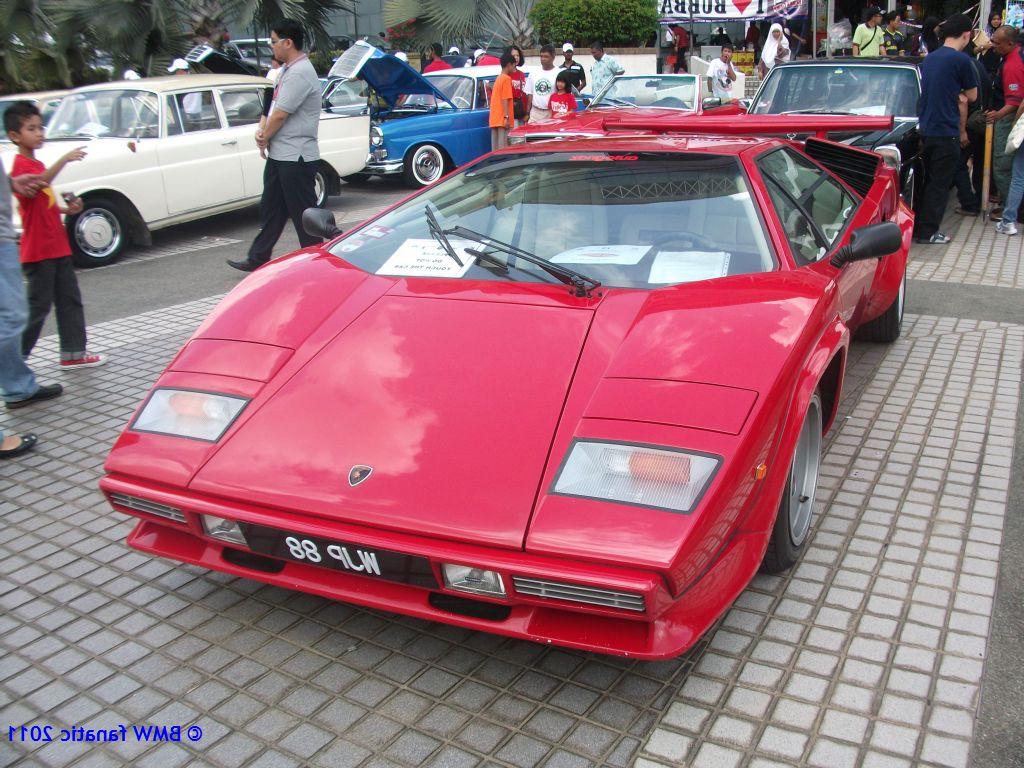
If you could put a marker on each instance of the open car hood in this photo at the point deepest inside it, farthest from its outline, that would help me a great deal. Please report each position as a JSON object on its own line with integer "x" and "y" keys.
{"x": 217, "y": 63}
{"x": 388, "y": 76}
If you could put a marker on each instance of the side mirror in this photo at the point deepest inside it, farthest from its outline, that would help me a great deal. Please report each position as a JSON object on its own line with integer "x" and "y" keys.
{"x": 744, "y": 103}
{"x": 871, "y": 242}
{"x": 711, "y": 102}
{"x": 320, "y": 223}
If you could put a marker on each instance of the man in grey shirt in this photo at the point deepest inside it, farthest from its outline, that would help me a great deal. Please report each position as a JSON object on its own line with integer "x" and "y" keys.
{"x": 288, "y": 134}
{"x": 17, "y": 383}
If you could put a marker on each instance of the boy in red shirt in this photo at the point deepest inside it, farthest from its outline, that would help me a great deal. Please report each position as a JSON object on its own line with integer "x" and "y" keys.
{"x": 45, "y": 251}
{"x": 562, "y": 102}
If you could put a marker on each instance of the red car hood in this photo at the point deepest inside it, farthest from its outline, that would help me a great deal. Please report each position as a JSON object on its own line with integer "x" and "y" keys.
{"x": 592, "y": 121}
{"x": 430, "y": 392}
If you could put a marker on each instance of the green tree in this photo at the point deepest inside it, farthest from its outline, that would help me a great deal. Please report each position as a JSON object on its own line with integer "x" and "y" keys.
{"x": 53, "y": 43}
{"x": 613, "y": 22}
{"x": 484, "y": 21}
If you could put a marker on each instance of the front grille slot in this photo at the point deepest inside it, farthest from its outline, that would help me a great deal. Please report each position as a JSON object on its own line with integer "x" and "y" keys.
{"x": 578, "y": 593}
{"x": 151, "y": 507}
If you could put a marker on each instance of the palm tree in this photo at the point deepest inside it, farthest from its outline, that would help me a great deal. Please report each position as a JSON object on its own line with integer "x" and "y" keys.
{"x": 486, "y": 21}
{"x": 50, "y": 43}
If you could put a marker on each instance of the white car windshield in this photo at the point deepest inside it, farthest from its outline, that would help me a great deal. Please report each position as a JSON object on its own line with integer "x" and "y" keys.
{"x": 106, "y": 113}
{"x": 667, "y": 91}
{"x": 642, "y": 220}
{"x": 841, "y": 88}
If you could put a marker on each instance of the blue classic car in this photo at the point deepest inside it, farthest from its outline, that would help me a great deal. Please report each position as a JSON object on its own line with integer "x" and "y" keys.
{"x": 423, "y": 125}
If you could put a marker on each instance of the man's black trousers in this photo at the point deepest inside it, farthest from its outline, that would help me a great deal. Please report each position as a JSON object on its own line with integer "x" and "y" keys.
{"x": 288, "y": 190}
{"x": 941, "y": 159}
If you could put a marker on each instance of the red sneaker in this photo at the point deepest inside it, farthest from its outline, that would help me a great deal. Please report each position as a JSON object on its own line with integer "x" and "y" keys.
{"x": 89, "y": 361}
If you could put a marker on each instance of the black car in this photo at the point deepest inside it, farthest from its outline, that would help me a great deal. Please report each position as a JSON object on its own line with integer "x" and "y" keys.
{"x": 854, "y": 86}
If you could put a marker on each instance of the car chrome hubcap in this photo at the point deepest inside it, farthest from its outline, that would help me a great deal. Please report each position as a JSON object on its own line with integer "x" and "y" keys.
{"x": 320, "y": 188}
{"x": 427, "y": 165}
{"x": 98, "y": 233}
{"x": 900, "y": 298}
{"x": 804, "y": 479}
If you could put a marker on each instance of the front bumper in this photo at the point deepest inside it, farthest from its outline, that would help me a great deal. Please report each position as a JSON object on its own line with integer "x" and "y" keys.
{"x": 385, "y": 168}
{"x": 378, "y": 163}
{"x": 665, "y": 628}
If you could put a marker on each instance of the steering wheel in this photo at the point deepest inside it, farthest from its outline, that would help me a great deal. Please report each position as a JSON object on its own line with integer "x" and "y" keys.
{"x": 465, "y": 102}
{"x": 682, "y": 235}
{"x": 670, "y": 101}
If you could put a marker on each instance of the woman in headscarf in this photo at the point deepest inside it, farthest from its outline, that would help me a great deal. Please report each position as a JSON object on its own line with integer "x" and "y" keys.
{"x": 775, "y": 51}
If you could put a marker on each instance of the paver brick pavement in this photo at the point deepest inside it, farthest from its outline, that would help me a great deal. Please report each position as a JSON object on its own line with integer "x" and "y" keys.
{"x": 869, "y": 653}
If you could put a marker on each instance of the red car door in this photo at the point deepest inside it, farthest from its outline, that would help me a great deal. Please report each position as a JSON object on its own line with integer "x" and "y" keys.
{"x": 815, "y": 211}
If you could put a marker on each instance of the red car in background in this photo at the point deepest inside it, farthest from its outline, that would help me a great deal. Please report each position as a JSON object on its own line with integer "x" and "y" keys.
{"x": 573, "y": 393}
{"x": 653, "y": 99}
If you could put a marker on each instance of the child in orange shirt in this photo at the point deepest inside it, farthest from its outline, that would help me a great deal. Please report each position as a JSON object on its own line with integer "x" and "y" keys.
{"x": 502, "y": 112}
{"x": 45, "y": 251}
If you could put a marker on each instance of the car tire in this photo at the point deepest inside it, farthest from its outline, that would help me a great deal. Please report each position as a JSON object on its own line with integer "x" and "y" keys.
{"x": 424, "y": 165}
{"x": 321, "y": 185}
{"x": 887, "y": 326}
{"x": 793, "y": 523}
{"x": 99, "y": 233}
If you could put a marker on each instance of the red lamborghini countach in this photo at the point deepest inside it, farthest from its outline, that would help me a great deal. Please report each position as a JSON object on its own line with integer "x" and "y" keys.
{"x": 573, "y": 393}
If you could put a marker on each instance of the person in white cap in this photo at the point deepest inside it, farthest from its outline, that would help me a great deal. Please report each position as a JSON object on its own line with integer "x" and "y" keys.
{"x": 454, "y": 51}
{"x": 131, "y": 74}
{"x": 482, "y": 58}
{"x": 402, "y": 55}
{"x": 191, "y": 102}
{"x": 574, "y": 68}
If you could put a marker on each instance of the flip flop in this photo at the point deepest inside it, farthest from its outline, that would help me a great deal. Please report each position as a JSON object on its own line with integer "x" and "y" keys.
{"x": 28, "y": 442}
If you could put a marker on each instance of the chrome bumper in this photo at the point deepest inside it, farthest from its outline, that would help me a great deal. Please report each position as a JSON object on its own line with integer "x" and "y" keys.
{"x": 381, "y": 169}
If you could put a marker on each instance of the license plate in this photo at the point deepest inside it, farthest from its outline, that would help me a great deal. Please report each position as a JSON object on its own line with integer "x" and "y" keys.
{"x": 340, "y": 555}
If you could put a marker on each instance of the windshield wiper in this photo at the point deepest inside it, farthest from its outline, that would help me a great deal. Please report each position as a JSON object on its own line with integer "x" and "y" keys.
{"x": 818, "y": 112}
{"x": 617, "y": 102}
{"x": 440, "y": 235}
{"x": 582, "y": 284}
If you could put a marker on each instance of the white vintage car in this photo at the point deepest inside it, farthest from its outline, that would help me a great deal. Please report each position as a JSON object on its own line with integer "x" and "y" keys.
{"x": 166, "y": 150}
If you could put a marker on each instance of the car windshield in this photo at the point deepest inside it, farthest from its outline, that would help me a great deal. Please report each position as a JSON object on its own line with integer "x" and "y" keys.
{"x": 843, "y": 88}
{"x": 107, "y": 113}
{"x": 642, "y": 220}
{"x": 458, "y": 89}
{"x": 669, "y": 91}
{"x": 46, "y": 110}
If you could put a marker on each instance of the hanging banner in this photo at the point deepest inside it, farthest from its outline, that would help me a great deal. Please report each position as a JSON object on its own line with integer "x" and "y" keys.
{"x": 675, "y": 11}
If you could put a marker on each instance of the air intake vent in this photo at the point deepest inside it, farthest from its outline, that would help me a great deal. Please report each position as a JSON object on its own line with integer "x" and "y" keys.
{"x": 152, "y": 507}
{"x": 854, "y": 166}
{"x": 577, "y": 593}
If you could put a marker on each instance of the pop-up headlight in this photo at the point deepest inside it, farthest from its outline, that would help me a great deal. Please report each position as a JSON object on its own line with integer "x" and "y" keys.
{"x": 185, "y": 413}
{"x": 636, "y": 474}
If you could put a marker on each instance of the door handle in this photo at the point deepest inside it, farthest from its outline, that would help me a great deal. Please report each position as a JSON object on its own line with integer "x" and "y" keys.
{"x": 229, "y": 143}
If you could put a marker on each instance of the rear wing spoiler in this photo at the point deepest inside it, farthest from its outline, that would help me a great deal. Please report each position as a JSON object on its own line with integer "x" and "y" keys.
{"x": 752, "y": 125}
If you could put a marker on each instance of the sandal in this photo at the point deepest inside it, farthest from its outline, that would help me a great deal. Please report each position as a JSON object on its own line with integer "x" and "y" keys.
{"x": 28, "y": 442}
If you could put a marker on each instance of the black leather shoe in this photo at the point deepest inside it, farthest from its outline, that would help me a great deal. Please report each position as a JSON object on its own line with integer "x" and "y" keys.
{"x": 244, "y": 265}
{"x": 28, "y": 442}
{"x": 45, "y": 392}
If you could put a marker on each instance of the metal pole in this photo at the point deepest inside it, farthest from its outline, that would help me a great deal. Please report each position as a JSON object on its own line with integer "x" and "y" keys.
{"x": 987, "y": 173}
{"x": 984, "y": 9}
{"x": 814, "y": 30}
{"x": 829, "y": 19}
